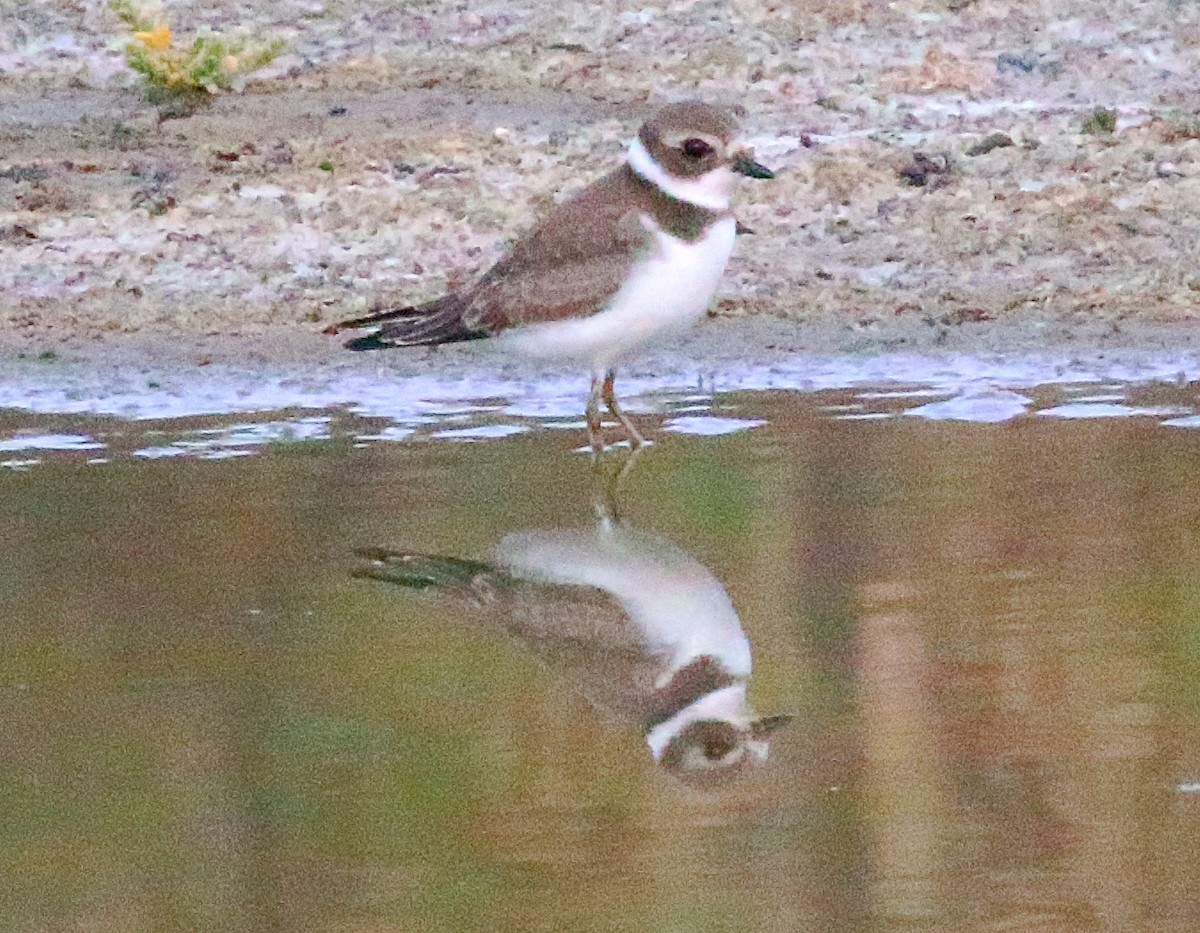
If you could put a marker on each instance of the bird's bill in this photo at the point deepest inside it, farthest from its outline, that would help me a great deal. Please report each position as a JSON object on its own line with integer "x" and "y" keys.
{"x": 744, "y": 164}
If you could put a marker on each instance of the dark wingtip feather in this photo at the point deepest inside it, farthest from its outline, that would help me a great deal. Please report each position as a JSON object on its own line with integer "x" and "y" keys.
{"x": 369, "y": 342}
{"x": 416, "y": 570}
{"x": 376, "y": 317}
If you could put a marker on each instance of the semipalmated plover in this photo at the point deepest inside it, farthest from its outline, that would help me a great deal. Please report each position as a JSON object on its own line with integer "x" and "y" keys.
{"x": 639, "y": 627}
{"x": 631, "y": 257}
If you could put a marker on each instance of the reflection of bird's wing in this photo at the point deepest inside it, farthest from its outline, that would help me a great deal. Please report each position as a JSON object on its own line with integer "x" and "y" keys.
{"x": 682, "y": 611}
{"x": 626, "y": 668}
{"x": 559, "y": 619}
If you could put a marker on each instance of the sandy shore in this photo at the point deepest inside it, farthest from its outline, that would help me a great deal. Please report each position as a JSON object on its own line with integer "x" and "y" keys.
{"x": 394, "y": 153}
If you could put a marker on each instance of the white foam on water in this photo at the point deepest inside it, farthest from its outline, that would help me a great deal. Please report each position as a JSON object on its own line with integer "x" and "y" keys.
{"x": 481, "y": 432}
{"x": 50, "y": 442}
{"x": 159, "y": 453}
{"x": 241, "y": 435}
{"x": 390, "y": 433}
{"x": 562, "y": 406}
{"x": 988, "y": 406}
{"x": 710, "y": 425}
{"x": 1105, "y": 410}
{"x": 225, "y": 454}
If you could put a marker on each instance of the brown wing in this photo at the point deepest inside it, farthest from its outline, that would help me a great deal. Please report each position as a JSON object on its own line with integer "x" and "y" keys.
{"x": 571, "y": 264}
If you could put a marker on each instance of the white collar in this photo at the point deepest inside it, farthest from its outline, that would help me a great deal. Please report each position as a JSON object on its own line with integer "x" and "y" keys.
{"x": 710, "y": 191}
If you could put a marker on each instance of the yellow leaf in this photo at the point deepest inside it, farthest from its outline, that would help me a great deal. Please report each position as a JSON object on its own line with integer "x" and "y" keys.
{"x": 158, "y": 38}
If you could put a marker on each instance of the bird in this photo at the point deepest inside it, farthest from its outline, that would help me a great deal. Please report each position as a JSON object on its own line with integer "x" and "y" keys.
{"x": 632, "y": 257}
{"x": 633, "y": 623}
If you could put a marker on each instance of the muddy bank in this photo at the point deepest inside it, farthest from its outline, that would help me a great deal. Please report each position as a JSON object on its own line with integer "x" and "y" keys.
{"x": 943, "y": 175}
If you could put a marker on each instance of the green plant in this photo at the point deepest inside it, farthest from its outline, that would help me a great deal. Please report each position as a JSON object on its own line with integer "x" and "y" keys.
{"x": 1100, "y": 121}
{"x": 211, "y": 63}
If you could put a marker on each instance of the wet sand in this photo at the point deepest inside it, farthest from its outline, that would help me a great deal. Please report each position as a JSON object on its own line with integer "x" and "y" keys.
{"x": 143, "y": 376}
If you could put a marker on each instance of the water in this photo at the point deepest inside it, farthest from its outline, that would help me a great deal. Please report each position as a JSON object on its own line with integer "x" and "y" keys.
{"x": 984, "y": 619}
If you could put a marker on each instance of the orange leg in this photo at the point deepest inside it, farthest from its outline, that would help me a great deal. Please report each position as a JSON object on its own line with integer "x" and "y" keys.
{"x": 610, "y": 399}
{"x": 595, "y": 434}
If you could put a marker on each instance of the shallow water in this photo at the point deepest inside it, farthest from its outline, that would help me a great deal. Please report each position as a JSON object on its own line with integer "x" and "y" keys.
{"x": 984, "y": 616}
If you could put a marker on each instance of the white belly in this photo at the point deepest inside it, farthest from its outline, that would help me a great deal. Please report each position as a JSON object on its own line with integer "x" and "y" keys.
{"x": 668, "y": 290}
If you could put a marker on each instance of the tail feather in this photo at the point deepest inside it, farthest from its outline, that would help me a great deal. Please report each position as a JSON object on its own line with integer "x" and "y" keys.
{"x": 439, "y": 321}
{"x": 419, "y": 571}
{"x": 375, "y": 317}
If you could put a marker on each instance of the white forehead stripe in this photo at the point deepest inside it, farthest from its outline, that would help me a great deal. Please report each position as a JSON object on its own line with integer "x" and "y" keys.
{"x": 710, "y": 190}
{"x": 675, "y": 140}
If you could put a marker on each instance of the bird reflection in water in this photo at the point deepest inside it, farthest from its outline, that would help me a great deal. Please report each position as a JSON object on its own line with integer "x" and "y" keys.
{"x": 639, "y": 627}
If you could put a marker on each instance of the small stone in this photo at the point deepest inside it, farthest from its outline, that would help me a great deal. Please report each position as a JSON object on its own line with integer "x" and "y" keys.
{"x": 1010, "y": 63}
{"x": 990, "y": 142}
{"x": 923, "y": 168}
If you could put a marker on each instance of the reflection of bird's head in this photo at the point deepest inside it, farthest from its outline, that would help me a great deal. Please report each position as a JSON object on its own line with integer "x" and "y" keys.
{"x": 713, "y": 737}
{"x": 711, "y": 749}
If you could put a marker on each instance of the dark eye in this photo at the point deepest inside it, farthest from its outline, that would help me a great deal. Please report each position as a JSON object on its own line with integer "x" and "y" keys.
{"x": 716, "y": 748}
{"x": 696, "y": 148}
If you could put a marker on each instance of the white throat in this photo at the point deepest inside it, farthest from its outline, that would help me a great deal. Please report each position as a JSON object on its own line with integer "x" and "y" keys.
{"x": 710, "y": 191}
